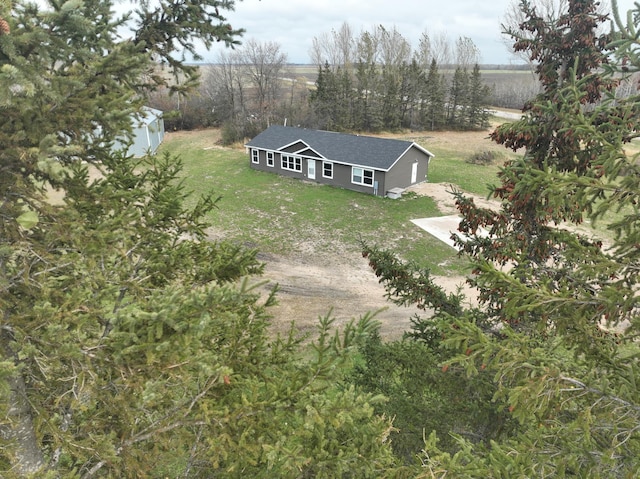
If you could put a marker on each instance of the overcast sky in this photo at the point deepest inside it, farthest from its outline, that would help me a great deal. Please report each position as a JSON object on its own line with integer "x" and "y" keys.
{"x": 293, "y": 23}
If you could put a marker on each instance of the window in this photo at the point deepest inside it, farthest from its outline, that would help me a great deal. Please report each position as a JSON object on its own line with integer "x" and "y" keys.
{"x": 269, "y": 158}
{"x": 293, "y": 163}
{"x": 360, "y": 176}
{"x": 327, "y": 169}
{"x": 255, "y": 156}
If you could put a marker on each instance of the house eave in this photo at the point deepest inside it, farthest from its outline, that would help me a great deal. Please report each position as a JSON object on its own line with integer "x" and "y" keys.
{"x": 424, "y": 150}
{"x": 418, "y": 147}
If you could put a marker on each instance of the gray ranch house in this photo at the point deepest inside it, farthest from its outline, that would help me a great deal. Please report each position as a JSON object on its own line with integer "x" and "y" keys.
{"x": 378, "y": 166}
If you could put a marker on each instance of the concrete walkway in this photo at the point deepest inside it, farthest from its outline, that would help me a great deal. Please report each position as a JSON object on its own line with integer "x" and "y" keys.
{"x": 440, "y": 226}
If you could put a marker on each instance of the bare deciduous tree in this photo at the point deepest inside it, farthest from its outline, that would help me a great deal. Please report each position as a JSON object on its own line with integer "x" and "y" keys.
{"x": 247, "y": 84}
{"x": 336, "y": 48}
{"x": 423, "y": 54}
{"x": 264, "y": 64}
{"x": 223, "y": 85}
{"x": 441, "y": 49}
{"x": 467, "y": 53}
{"x": 394, "y": 48}
{"x": 345, "y": 43}
{"x": 322, "y": 50}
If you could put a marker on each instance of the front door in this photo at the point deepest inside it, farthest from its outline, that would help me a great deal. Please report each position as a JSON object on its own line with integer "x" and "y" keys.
{"x": 414, "y": 172}
{"x": 311, "y": 169}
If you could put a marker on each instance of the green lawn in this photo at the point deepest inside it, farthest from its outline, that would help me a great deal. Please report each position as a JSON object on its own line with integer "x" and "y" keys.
{"x": 286, "y": 216}
{"x": 449, "y": 167}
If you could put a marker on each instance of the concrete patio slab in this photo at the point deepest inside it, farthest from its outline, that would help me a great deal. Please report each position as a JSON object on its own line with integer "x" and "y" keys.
{"x": 440, "y": 226}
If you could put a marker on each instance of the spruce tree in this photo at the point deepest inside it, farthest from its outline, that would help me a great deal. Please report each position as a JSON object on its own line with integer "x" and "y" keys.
{"x": 132, "y": 346}
{"x": 433, "y": 111}
{"x": 478, "y": 108}
{"x": 320, "y": 98}
{"x": 556, "y": 329}
{"x": 345, "y": 98}
{"x": 413, "y": 80}
{"x": 330, "y": 99}
{"x": 390, "y": 93}
{"x": 458, "y": 100}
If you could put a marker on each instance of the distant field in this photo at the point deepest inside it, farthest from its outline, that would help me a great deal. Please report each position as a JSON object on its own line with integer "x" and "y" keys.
{"x": 310, "y": 72}
{"x": 493, "y": 75}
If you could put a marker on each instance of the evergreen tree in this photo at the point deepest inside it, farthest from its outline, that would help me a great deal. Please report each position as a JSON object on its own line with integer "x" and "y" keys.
{"x": 412, "y": 84}
{"x": 332, "y": 99}
{"x": 458, "y": 100}
{"x": 323, "y": 99}
{"x": 433, "y": 104}
{"x": 132, "y": 346}
{"x": 368, "y": 115}
{"x": 345, "y": 100}
{"x": 477, "y": 110}
{"x": 421, "y": 396}
{"x": 557, "y": 325}
{"x": 391, "y": 100}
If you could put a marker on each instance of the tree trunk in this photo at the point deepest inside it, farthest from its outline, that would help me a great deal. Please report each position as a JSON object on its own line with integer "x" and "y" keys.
{"x": 26, "y": 457}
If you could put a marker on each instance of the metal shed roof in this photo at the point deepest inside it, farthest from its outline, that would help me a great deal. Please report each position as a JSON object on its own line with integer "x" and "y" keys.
{"x": 148, "y": 115}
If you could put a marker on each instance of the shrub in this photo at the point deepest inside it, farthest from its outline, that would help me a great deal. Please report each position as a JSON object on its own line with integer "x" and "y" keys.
{"x": 485, "y": 158}
{"x": 233, "y": 132}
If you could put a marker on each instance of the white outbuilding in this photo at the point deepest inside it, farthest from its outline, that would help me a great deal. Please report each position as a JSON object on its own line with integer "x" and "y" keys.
{"x": 148, "y": 132}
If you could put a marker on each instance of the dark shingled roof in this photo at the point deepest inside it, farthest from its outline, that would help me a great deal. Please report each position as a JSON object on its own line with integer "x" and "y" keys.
{"x": 378, "y": 153}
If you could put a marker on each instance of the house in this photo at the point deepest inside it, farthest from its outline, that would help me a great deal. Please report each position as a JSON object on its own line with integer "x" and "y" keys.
{"x": 378, "y": 166}
{"x": 147, "y": 132}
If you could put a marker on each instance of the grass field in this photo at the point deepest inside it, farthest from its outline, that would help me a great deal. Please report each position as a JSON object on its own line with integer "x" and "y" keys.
{"x": 287, "y": 216}
{"x": 450, "y": 166}
{"x": 311, "y": 72}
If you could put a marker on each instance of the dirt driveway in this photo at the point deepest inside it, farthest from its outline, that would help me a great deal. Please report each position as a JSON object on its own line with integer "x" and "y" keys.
{"x": 344, "y": 286}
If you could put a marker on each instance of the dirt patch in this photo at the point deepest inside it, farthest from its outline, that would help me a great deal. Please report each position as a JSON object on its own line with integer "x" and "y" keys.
{"x": 441, "y": 194}
{"x": 343, "y": 286}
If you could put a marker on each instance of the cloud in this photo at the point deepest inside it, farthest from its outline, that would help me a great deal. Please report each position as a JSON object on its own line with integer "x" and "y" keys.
{"x": 294, "y": 23}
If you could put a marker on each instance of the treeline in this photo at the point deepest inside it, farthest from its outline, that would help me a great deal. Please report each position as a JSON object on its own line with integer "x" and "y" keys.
{"x": 371, "y": 82}
{"x": 369, "y": 98}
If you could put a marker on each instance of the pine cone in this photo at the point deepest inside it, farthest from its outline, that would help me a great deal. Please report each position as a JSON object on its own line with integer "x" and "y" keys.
{"x": 4, "y": 27}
